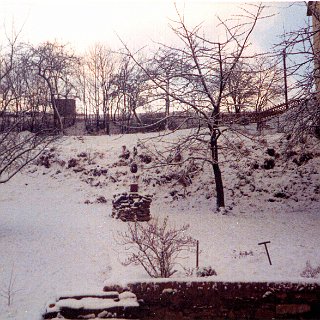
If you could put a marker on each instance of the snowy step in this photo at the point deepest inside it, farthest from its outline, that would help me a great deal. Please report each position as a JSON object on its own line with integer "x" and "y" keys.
{"x": 92, "y": 318}
{"x": 101, "y": 306}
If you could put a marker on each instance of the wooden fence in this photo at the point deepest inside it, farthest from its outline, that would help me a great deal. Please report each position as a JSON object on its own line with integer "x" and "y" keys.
{"x": 151, "y": 121}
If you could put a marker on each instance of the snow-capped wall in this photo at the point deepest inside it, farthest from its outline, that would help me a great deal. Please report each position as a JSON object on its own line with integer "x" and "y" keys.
{"x": 233, "y": 300}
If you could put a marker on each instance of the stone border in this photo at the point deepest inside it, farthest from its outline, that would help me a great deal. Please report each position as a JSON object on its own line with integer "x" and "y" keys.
{"x": 192, "y": 300}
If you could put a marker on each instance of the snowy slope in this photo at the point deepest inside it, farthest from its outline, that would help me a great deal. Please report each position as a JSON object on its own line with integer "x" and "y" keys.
{"x": 57, "y": 236}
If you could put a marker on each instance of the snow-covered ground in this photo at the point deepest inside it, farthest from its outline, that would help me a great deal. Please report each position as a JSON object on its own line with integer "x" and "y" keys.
{"x": 56, "y": 236}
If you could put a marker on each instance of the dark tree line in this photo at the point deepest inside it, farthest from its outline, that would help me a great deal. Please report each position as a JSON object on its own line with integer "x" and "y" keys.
{"x": 111, "y": 88}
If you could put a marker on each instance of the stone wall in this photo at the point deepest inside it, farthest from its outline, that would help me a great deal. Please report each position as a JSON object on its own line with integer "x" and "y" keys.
{"x": 220, "y": 300}
{"x": 131, "y": 207}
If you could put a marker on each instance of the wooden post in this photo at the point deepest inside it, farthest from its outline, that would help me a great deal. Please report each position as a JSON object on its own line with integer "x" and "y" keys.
{"x": 284, "y": 55}
{"x": 197, "y": 255}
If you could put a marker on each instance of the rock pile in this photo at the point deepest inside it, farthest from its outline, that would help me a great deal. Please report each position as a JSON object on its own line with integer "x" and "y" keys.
{"x": 131, "y": 207}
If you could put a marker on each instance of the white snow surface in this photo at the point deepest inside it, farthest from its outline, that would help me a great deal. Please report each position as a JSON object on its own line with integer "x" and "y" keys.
{"x": 95, "y": 303}
{"x": 57, "y": 238}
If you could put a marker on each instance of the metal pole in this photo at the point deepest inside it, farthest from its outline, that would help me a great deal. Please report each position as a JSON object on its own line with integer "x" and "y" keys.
{"x": 265, "y": 246}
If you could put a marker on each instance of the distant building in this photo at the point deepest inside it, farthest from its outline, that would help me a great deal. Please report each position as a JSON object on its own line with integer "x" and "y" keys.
{"x": 67, "y": 111}
{"x": 314, "y": 11}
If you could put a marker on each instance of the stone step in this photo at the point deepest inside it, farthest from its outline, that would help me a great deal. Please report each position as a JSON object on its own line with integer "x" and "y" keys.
{"x": 95, "y": 306}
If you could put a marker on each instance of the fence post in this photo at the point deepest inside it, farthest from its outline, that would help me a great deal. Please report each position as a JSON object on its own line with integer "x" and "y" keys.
{"x": 197, "y": 254}
{"x": 285, "y": 77}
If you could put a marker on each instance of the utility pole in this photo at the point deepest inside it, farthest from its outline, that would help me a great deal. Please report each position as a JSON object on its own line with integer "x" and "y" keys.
{"x": 284, "y": 55}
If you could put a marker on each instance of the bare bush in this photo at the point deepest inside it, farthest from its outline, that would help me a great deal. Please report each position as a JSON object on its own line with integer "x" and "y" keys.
{"x": 7, "y": 291}
{"x": 156, "y": 246}
{"x": 303, "y": 121}
{"x": 309, "y": 271}
{"x": 300, "y": 47}
{"x": 18, "y": 149}
{"x": 206, "y": 272}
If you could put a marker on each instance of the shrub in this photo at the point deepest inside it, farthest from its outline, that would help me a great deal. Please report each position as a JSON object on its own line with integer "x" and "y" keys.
{"x": 72, "y": 163}
{"x": 271, "y": 152}
{"x": 309, "y": 271}
{"x": 206, "y": 272}
{"x": 145, "y": 158}
{"x": 268, "y": 164}
{"x": 8, "y": 291}
{"x": 281, "y": 195}
{"x": 155, "y": 246}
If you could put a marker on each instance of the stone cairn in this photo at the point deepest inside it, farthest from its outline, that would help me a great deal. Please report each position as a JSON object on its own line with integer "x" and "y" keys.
{"x": 131, "y": 207}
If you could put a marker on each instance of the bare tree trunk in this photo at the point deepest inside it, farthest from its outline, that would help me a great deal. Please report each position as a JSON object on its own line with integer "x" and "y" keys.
{"x": 97, "y": 119}
{"x": 216, "y": 168}
{"x": 56, "y": 113}
{"x": 107, "y": 123}
{"x": 215, "y": 134}
{"x": 167, "y": 105}
{"x": 218, "y": 181}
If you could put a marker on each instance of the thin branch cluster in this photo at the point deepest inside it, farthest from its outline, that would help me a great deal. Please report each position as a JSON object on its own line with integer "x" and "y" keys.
{"x": 156, "y": 246}
{"x": 17, "y": 149}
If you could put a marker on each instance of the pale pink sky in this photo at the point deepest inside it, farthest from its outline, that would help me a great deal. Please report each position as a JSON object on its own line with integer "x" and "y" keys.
{"x": 84, "y": 22}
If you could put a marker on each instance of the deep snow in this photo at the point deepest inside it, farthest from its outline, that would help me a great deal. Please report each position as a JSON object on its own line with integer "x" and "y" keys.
{"x": 57, "y": 238}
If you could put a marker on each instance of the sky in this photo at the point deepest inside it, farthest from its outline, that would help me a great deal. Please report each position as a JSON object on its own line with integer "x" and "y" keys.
{"x": 138, "y": 22}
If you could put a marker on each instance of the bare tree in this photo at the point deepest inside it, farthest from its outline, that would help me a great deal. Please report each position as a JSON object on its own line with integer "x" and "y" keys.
{"x": 8, "y": 97}
{"x": 24, "y": 95}
{"x": 300, "y": 49}
{"x": 267, "y": 84}
{"x": 213, "y": 63}
{"x": 255, "y": 83}
{"x": 240, "y": 86}
{"x": 17, "y": 148}
{"x": 98, "y": 83}
{"x": 133, "y": 92}
{"x": 168, "y": 68}
{"x": 56, "y": 65}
